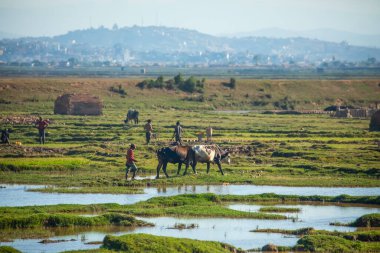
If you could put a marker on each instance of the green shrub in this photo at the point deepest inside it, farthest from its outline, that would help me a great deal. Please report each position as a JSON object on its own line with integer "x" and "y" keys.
{"x": 139, "y": 243}
{"x": 327, "y": 243}
{"x": 368, "y": 220}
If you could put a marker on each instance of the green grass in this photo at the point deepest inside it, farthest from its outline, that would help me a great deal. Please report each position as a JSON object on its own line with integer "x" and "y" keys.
{"x": 66, "y": 220}
{"x": 8, "y": 249}
{"x": 273, "y": 198}
{"x": 368, "y": 220}
{"x": 331, "y": 241}
{"x": 109, "y": 190}
{"x": 139, "y": 243}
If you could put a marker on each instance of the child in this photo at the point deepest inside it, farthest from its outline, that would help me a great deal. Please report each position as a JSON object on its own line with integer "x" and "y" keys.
{"x": 130, "y": 165}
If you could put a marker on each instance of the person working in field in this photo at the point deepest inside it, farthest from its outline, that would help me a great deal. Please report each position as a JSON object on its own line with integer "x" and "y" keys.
{"x": 209, "y": 134}
{"x": 148, "y": 130}
{"x": 130, "y": 165}
{"x": 178, "y": 133}
{"x": 41, "y": 125}
{"x": 5, "y": 136}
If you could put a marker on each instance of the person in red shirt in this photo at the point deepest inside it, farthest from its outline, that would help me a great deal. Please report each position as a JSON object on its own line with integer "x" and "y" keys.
{"x": 130, "y": 165}
{"x": 41, "y": 125}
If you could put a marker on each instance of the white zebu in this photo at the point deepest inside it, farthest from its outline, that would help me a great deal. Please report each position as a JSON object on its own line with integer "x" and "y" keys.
{"x": 208, "y": 154}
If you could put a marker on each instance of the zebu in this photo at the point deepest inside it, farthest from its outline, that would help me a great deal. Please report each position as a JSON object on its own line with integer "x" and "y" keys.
{"x": 132, "y": 115}
{"x": 174, "y": 154}
{"x": 207, "y": 154}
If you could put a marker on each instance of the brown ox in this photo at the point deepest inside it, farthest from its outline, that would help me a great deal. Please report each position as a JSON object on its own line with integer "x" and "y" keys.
{"x": 174, "y": 154}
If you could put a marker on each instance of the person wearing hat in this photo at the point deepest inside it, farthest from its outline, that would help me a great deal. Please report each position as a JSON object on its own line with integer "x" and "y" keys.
{"x": 130, "y": 164}
{"x": 178, "y": 133}
{"x": 148, "y": 130}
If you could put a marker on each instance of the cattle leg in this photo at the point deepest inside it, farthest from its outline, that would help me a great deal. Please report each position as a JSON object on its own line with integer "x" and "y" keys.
{"x": 220, "y": 167}
{"x": 179, "y": 168}
{"x": 208, "y": 167}
{"x": 164, "y": 169}
{"x": 193, "y": 166}
{"x": 158, "y": 169}
{"x": 187, "y": 166}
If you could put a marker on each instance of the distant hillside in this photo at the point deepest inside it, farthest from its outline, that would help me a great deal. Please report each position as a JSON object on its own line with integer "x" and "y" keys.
{"x": 320, "y": 34}
{"x": 174, "y": 45}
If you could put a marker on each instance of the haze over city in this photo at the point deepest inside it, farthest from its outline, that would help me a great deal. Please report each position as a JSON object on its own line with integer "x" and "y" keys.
{"x": 238, "y": 17}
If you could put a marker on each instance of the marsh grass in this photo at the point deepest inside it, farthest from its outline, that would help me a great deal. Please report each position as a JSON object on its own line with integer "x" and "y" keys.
{"x": 66, "y": 220}
{"x": 331, "y": 241}
{"x": 275, "y": 209}
{"x": 137, "y": 243}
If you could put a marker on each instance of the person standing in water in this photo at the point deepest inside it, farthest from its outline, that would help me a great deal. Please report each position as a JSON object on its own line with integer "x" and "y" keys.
{"x": 130, "y": 164}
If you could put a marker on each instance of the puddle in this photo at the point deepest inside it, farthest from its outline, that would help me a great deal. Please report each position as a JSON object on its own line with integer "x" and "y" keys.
{"x": 232, "y": 231}
{"x": 17, "y": 195}
{"x": 316, "y": 216}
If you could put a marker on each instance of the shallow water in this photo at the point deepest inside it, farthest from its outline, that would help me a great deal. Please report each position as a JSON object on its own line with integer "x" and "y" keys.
{"x": 232, "y": 231}
{"x": 17, "y": 195}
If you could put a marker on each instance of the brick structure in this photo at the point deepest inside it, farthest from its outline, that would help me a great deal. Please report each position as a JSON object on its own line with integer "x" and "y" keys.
{"x": 78, "y": 104}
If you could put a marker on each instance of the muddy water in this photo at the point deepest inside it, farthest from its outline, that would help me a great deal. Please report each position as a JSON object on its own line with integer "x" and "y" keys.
{"x": 232, "y": 231}
{"x": 17, "y": 195}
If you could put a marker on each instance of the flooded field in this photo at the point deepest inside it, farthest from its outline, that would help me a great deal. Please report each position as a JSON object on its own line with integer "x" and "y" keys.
{"x": 18, "y": 195}
{"x": 232, "y": 231}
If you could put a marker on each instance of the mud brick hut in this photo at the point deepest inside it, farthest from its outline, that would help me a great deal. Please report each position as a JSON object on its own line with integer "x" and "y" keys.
{"x": 78, "y": 104}
{"x": 374, "y": 124}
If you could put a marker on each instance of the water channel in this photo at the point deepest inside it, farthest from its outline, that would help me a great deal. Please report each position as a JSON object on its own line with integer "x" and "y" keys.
{"x": 232, "y": 231}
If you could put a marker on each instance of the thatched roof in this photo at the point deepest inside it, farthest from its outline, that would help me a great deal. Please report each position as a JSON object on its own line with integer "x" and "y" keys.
{"x": 78, "y": 104}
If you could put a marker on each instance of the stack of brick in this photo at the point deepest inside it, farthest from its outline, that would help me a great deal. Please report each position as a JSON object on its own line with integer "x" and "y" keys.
{"x": 78, "y": 104}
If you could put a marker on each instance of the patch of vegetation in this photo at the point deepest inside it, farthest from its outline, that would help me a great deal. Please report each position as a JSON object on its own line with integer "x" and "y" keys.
{"x": 231, "y": 84}
{"x": 119, "y": 89}
{"x": 140, "y": 243}
{"x": 301, "y": 231}
{"x": 8, "y": 249}
{"x": 327, "y": 243}
{"x": 275, "y": 209}
{"x": 271, "y": 197}
{"x": 330, "y": 241}
{"x": 105, "y": 190}
{"x": 181, "y": 226}
{"x": 368, "y": 220}
{"x": 190, "y": 205}
{"x": 285, "y": 104}
{"x": 190, "y": 85}
{"x": 65, "y": 220}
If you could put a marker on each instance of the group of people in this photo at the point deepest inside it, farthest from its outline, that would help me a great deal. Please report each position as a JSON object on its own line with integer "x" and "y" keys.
{"x": 148, "y": 127}
{"x": 40, "y": 124}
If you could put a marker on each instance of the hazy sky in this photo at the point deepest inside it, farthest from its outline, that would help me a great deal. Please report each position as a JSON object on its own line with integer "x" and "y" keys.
{"x": 53, "y": 17}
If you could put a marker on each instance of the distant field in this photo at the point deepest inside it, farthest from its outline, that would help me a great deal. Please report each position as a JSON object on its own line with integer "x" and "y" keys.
{"x": 267, "y": 149}
{"x": 37, "y": 95}
{"x": 250, "y": 72}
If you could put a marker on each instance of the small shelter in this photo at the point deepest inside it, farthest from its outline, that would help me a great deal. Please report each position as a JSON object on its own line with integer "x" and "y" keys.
{"x": 78, "y": 104}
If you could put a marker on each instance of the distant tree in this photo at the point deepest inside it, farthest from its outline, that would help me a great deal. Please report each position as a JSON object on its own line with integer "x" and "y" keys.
{"x": 160, "y": 80}
{"x": 232, "y": 83}
{"x": 178, "y": 79}
{"x": 115, "y": 27}
{"x": 189, "y": 85}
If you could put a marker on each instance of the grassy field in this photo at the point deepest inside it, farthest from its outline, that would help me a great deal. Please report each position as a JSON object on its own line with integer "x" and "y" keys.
{"x": 89, "y": 151}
